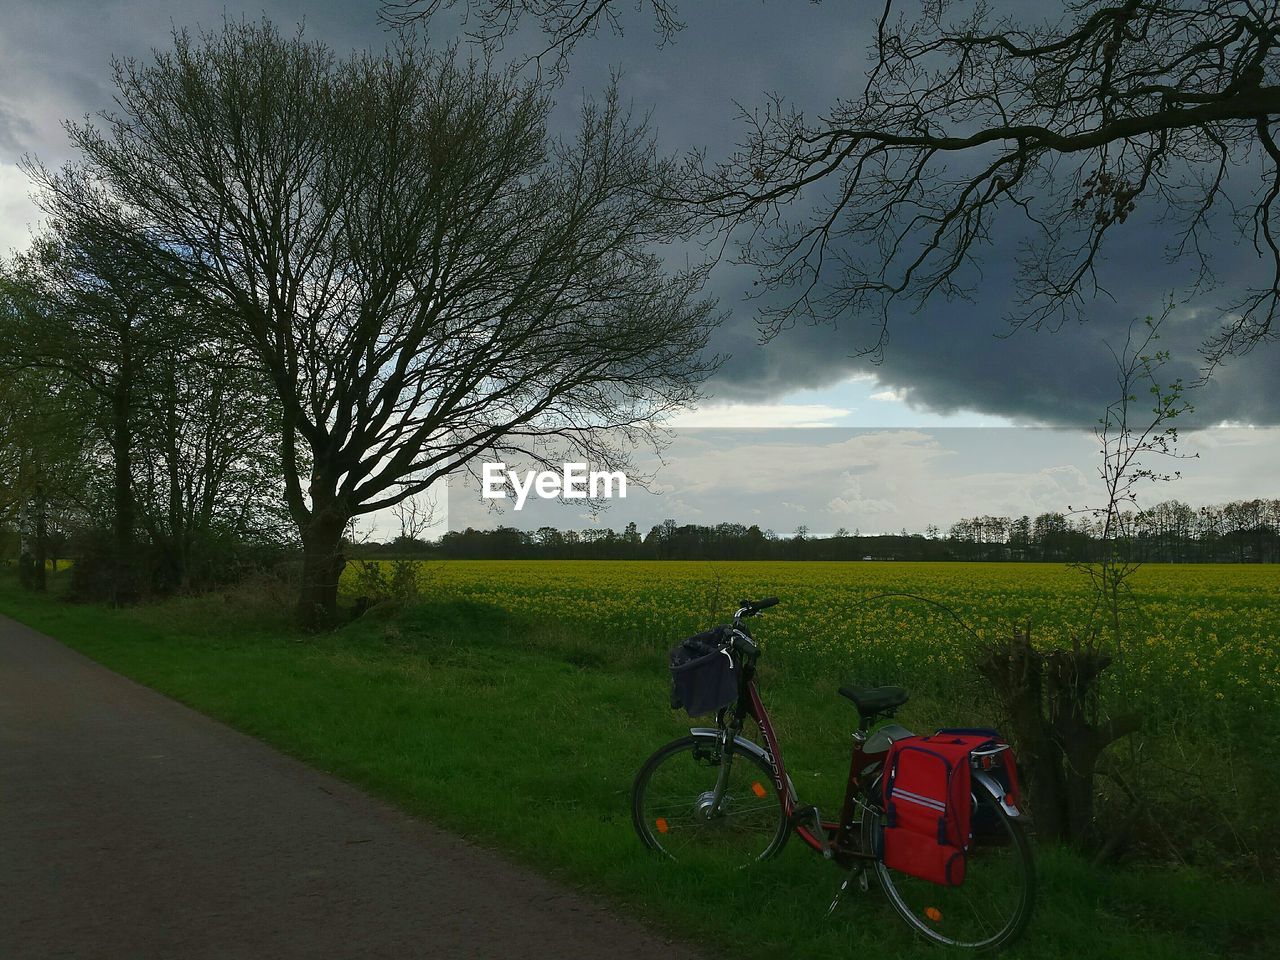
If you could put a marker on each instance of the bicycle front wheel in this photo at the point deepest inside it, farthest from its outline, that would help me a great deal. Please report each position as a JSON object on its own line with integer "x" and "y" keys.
{"x": 673, "y": 796}
{"x": 993, "y": 905}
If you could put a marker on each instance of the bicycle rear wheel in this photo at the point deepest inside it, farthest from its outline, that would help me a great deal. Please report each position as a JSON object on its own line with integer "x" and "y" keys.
{"x": 673, "y": 793}
{"x": 993, "y": 905}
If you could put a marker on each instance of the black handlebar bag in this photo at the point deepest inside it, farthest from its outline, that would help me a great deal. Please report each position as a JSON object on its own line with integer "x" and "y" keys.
{"x": 703, "y": 677}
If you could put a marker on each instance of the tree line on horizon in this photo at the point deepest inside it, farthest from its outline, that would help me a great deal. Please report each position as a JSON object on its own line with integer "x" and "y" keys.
{"x": 1241, "y": 531}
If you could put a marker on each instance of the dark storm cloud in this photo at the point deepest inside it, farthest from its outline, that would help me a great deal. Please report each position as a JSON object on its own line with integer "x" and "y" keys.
{"x": 965, "y": 355}
{"x": 54, "y": 63}
{"x": 14, "y": 129}
{"x": 948, "y": 356}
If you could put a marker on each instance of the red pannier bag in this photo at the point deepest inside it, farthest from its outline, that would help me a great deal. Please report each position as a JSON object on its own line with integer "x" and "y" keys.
{"x": 928, "y": 806}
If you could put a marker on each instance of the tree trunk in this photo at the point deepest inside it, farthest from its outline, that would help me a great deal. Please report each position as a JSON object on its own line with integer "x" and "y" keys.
{"x": 1072, "y": 680}
{"x": 125, "y": 572}
{"x": 41, "y": 557}
{"x": 1049, "y": 698}
{"x": 175, "y": 552}
{"x": 26, "y": 560}
{"x": 1015, "y": 672}
{"x": 322, "y": 565}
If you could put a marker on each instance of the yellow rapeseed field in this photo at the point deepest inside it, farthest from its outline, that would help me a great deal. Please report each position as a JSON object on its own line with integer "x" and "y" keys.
{"x": 1194, "y": 636}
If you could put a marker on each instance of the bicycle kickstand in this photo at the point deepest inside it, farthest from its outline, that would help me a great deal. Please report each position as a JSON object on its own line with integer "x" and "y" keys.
{"x": 859, "y": 869}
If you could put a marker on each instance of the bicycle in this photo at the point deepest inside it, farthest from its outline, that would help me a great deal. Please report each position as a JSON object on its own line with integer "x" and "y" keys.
{"x": 718, "y": 791}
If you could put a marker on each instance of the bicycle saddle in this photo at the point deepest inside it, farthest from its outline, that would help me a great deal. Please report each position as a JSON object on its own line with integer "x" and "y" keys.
{"x": 871, "y": 700}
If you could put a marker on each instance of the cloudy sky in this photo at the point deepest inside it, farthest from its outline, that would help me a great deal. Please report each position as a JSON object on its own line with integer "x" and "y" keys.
{"x": 946, "y": 367}
{"x": 879, "y": 480}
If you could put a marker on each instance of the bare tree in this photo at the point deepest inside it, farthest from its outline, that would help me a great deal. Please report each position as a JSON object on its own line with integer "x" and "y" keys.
{"x": 970, "y": 124}
{"x": 973, "y": 124}
{"x": 1063, "y": 713}
{"x": 1131, "y": 439}
{"x": 207, "y": 469}
{"x": 423, "y": 273}
{"x": 563, "y": 22}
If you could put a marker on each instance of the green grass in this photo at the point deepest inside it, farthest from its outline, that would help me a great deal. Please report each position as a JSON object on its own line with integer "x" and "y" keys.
{"x": 525, "y": 737}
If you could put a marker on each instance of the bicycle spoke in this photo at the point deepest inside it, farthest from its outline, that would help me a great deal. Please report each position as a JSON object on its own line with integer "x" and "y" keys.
{"x": 988, "y": 908}
{"x": 672, "y": 804}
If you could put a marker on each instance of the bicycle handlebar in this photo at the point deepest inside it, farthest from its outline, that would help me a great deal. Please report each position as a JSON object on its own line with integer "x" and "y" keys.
{"x": 741, "y": 641}
{"x": 751, "y": 607}
{"x": 745, "y": 646}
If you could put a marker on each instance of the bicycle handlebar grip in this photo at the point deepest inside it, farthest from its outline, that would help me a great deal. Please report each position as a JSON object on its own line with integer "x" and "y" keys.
{"x": 765, "y": 603}
{"x": 746, "y": 645}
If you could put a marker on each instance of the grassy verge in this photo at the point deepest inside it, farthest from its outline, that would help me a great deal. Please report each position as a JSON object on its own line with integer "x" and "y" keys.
{"x": 525, "y": 736}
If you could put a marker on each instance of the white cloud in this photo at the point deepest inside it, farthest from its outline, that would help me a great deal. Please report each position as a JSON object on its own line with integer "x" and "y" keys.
{"x": 890, "y": 396}
{"x": 844, "y": 506}
{"x": 17, "y": 211}
{"x": 1227, "y": 435}
{"x": 685, "y": 509}
{"x": 1012, "y": 492}
{"x": 704, "y": 465}
{"x": 753, "y": 415}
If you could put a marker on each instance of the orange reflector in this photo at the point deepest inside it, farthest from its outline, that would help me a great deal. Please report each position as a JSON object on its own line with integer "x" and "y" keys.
{"x": 661, "y": 824}
{"x": 934, "y": 914}
{"x": 1008, "y": 799}
{"x": 758, "y": 789}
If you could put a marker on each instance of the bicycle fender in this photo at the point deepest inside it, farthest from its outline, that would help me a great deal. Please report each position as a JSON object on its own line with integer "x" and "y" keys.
{"x": 993, "y": 787}
{"x": 743, "y": 743}
{"x": 750, "y": 747}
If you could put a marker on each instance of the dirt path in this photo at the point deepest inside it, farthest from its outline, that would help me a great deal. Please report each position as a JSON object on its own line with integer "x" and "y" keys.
{"x": 133, "y": 828}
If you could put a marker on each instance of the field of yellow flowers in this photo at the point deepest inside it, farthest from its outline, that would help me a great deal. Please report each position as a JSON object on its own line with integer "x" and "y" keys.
{"x": 1193, "y": 637}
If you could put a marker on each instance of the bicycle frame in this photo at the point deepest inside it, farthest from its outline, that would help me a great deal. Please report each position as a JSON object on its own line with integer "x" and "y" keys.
{"x": 829, "y": 838}
{"x": 853, "y": 841}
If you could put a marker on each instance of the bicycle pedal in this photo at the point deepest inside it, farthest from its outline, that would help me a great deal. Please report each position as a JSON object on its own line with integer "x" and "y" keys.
{"x": 811, "y": 813}
{"x": 800, "y": 814}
